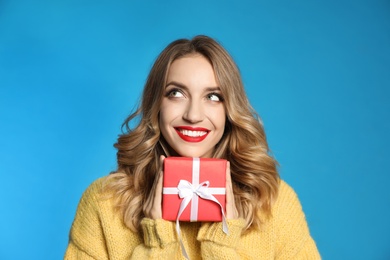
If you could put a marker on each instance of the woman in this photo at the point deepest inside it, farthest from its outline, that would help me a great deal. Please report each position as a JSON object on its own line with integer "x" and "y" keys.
{"x": 193, "y": 105}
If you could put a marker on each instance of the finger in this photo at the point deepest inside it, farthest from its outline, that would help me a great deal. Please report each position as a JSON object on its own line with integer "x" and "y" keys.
{"x": 160, "y": 177}
{"x": 231, "y": 211}
{"x": 156, "y": 211}
{"x": 152, "y": 206}
{"x": 228, "y": 181}
{"x": 159, "y": 184}
{"x": 162, "y": 158}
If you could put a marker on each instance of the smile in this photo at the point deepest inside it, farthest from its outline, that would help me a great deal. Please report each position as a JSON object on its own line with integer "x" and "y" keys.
{"x": 192, "y": 134}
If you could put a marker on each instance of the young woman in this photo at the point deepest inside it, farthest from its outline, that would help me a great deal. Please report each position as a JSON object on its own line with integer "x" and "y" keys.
{"x": 193, "y": 105}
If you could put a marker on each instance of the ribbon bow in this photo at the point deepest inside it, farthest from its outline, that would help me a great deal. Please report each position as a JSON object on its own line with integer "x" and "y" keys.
{"x": 188, "y": 192}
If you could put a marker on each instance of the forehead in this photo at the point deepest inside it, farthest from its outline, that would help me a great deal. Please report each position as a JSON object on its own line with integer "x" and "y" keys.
{"x": 192, "y": 70}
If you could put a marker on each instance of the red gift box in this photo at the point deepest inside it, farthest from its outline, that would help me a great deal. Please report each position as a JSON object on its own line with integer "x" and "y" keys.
{"x": 191, "y": 178}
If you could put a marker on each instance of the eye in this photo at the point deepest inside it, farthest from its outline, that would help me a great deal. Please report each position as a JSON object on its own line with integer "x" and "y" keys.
{"x": 215, "y": 97}
{"x": 174, "y": 93}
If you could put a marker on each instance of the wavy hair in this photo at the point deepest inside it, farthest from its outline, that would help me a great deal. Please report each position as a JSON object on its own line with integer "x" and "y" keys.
{"x": 253, "y": 169}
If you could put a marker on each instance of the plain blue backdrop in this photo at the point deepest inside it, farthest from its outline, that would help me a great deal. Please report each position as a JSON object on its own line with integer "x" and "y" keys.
{"x": 318, "y": 73}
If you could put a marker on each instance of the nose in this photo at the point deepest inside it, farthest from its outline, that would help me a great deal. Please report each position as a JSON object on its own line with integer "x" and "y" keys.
{"x": 194, "y": 112}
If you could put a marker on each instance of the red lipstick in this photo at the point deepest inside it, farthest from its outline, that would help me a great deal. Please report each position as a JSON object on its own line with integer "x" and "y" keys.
{"x": 186, "y": 133}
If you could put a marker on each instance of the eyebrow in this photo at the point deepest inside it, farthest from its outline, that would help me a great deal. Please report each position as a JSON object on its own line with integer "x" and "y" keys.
{"x": 177, "y": 84}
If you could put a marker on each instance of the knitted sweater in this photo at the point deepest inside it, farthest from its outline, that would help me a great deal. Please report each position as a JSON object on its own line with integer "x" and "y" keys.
{"x": 98, "y": 232}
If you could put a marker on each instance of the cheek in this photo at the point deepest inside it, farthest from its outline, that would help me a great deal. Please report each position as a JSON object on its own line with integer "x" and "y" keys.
{"x": 166, "y": 117}
{"x": 162, "y": 125}
{"x": 170, "y": 111}
{"x": 164, "y": 111}
{"x": 162, "y": 119}
{"x": 220, "y": 118}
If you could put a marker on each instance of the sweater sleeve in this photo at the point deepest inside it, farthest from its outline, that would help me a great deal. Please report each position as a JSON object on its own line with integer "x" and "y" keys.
{"x": 86, "y": 239}
{"x": 97, "y": 233}
{"x": 215, "y": 244}
{"x": 293, "y": 236}
{"x": 160, "y": 241}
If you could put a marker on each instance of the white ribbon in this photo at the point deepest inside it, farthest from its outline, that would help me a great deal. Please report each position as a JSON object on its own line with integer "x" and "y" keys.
{"x": 190, "y": 192}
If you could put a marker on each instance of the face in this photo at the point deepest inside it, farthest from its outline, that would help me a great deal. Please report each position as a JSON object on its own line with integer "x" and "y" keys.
{"x": 192, "y": 114}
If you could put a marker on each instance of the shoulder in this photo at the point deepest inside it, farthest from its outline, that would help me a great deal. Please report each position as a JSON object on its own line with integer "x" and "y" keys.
{"x": 96, "y": 211}
{"x": 290, "y": 224}
{"x": 286, "y": 196}
{"x": 86, "y": 233}
{"x": 287, "y": 208}
{"x": 98, "y": 229}
{"x": 95, "y": 189}
{"x": 287, "y": 212}
{"x": 90, "y": 198}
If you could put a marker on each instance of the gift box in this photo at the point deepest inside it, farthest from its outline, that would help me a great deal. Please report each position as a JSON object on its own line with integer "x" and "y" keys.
{"x": 194, "y": 189}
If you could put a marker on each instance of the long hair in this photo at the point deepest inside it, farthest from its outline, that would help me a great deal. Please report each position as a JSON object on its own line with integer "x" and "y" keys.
{"x": 253, "y": 169}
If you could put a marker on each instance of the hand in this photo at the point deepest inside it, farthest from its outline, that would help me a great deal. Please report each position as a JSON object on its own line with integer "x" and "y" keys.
{"x": 152, "y": 207}
{"x": 231, "y": 210}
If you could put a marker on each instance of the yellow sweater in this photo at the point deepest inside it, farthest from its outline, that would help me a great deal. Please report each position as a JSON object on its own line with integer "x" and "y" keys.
{"x": 99, "y": 233}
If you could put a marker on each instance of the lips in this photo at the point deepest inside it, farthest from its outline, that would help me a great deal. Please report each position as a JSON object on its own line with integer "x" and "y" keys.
{"x": 192, "y": 134}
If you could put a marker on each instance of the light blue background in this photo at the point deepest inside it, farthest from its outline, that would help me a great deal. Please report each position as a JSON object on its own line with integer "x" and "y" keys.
{"x": 318, "y": 72}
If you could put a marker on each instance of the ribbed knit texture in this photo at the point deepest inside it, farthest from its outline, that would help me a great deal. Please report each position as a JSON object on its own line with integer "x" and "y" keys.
{"x": 99, "y": 233}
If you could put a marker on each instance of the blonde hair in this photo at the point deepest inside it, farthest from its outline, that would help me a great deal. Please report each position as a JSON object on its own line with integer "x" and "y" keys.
{"x": 253, "y": 170}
